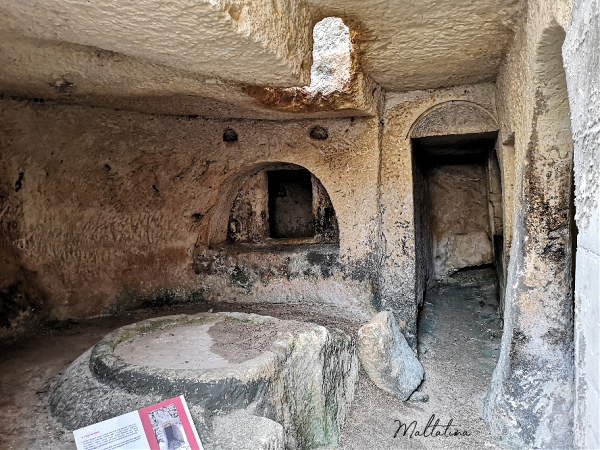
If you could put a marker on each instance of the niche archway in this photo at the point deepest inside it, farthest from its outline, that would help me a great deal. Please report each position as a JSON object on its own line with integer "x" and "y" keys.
{"x": 453, "y": 117}
{"x": 274, "y": 203}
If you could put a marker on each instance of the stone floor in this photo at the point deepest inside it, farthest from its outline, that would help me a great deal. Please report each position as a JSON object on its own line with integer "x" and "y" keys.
{"x": 459, "y": 338}
{"x": 459, "y": 344}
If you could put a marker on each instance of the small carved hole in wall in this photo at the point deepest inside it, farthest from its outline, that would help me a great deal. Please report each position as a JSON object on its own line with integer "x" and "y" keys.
{"x": 230, "y": 135}
{"x": 319, "y": 133}
{"x": 19, "y": 182}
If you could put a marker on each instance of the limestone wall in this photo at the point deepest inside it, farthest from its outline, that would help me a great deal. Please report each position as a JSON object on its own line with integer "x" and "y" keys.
{"x": 537, "y": 342}
{"x": 116, "y": 208}
{"x": 102, "y": 209}
{"x": 460, "y": 223}
{"x": 582, "y": 60}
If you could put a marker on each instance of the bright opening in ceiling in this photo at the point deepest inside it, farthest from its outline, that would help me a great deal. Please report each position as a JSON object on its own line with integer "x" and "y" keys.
{"x": 330, "y": 70}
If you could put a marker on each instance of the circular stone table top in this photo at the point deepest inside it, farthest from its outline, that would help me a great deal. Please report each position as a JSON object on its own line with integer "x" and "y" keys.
{"x": 204, "y": 345}
{"x": 183, "y": 347}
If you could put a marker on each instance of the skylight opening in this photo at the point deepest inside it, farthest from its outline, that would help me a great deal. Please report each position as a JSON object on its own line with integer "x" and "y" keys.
{"x": 331, "y": 68}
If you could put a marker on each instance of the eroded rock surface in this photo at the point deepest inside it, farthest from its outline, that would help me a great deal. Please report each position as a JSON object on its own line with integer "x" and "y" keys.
{"x": 241, "y": 429}
{"x": 387, "y": 357}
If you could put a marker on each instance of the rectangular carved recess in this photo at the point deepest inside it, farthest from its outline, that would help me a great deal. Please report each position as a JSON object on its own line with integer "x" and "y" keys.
{"x": 290, "y": 204}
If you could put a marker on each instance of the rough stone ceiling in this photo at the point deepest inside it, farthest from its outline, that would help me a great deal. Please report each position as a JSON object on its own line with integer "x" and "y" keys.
{"x": 203, "y": 56}
{"x": 420, "y": 44}
{"x": 259, "y": 42}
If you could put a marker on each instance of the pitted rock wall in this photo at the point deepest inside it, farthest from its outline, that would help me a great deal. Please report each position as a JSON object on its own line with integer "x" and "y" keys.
{"x": 582, "y": 61}
{"x": 460, "y": 223}
{"x": 102, "y": 209}
{"x": 537, "y": 342}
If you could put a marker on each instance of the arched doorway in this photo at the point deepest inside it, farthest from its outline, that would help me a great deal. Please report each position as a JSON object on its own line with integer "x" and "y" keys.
{"x": 454, "y": 183}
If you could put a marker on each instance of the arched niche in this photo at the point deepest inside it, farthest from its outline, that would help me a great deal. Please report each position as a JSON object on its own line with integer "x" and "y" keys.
{"x": 453, "y": 117}
{"x": 531, "y": 399}
{"x": 273, "y": 202}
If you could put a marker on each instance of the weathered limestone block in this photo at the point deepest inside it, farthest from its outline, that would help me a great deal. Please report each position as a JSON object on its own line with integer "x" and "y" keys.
{"x": 297, "y": 392}
{"x": 387, "y": 357}
{"x": 316, "y": 384}
{"x": 243, "y": 430}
